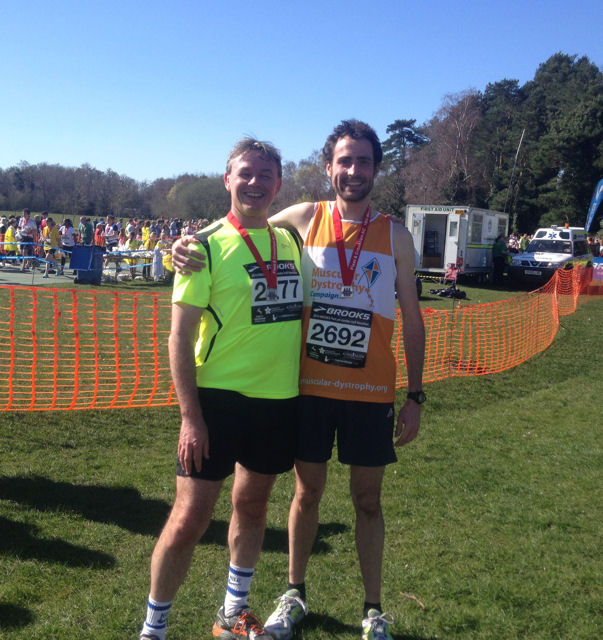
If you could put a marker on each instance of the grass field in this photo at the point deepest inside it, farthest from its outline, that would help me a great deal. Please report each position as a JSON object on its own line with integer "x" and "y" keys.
{"x": 493, "y": 515}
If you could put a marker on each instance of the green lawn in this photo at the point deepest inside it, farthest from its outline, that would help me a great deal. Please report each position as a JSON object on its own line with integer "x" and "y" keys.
{"x": 493, "y": 515}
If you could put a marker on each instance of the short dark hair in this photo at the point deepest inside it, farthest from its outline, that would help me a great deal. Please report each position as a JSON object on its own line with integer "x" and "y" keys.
{"x": 356, "y": 130}
{"x": 267, "y": 150}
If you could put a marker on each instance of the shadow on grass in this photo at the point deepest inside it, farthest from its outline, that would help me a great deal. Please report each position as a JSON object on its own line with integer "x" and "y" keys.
{"x": 14, "y": 617}
{"x": 276, "y": 540}
{"x": 122, "y": 506}
{"x": 126, "y": 508}
{"x": 331, "y": 627}
{"x": 20, "y": 539}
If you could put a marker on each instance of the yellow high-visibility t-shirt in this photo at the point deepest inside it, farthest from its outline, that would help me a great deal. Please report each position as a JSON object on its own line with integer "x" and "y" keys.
{"x": 247, "y": 342}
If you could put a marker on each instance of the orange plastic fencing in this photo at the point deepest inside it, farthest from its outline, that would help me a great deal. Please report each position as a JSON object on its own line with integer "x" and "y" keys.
{"x": 488, "y": 338}
{"x": 68, "y": 349}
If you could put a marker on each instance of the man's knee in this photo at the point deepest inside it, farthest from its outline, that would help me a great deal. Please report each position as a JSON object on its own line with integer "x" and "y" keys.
{"x": 367, "y": 502}
{"x": 370, "y": 509}
{"x": 308, "y": 495}
{"x": 251, "y": 509}
{"x": 309, "y": 487}
{"x": 184, "y": 529}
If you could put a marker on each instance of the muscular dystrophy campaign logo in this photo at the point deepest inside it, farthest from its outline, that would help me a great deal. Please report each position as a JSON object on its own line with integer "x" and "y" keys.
{"x": 326, "y": 283}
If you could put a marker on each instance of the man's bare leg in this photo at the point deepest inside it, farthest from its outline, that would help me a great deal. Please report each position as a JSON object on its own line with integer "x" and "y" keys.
{"x": 188, "y": 521}
{"x": 365, "y": 488}
{"x": 310, "y": 480}
{"x": 250, "y": 493}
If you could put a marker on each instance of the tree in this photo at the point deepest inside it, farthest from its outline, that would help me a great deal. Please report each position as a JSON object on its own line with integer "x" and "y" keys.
{"x": 390, "y": 188}
{"x": 445, "y": 171}
{"x": 194, "y": 197}
{"x": 563, "y": 105}
{"x": 496, "y": 139}
{"x": 155, "y": 197}
{"x": 404, "y": 135}
{"x": 474, "y": 141}
{"x": 290, "y": 191}
{"x": 311, "y": 179}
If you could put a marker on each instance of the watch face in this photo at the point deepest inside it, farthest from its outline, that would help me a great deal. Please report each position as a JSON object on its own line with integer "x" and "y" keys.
{"x": 418, "y": 396}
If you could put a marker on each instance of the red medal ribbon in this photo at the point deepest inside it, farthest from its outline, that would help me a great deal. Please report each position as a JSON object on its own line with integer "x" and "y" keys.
{"x": 348, "y": 270}
{"x": 269, "y": 275}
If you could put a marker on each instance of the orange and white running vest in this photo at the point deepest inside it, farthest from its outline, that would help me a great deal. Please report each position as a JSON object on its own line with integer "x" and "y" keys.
{"x": 346, "y": 341}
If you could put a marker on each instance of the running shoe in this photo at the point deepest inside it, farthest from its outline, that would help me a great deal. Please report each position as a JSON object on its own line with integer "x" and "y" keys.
{"x": 374, "y": 626}
{"x": 242, "y": 625}
{"x": 291, "y": 610}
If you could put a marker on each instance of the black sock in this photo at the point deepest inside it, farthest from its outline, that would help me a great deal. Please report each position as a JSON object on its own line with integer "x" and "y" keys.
{"x": 371, "y": 605}
{"x": 301, "y": 587}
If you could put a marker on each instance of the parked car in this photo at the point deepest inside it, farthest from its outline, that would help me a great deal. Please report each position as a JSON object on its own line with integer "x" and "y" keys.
{"x": 551, "y": 248}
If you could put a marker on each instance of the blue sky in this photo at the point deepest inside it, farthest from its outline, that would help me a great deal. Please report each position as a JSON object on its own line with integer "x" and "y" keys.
{"x": 154, "y": 89}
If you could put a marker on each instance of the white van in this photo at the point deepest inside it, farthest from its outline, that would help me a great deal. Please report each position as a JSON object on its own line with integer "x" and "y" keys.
{"x": 454, "y": 235}
{"x": 550, "y": 249}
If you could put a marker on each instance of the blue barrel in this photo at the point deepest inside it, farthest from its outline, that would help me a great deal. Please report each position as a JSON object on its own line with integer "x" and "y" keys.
{"x": 87, "y": 262}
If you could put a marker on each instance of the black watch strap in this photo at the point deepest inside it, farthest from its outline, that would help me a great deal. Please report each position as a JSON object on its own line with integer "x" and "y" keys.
{"x": 418, "y": 396}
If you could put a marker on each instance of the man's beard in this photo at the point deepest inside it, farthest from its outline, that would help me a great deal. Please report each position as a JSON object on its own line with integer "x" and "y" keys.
{"x": 355, "y": 196}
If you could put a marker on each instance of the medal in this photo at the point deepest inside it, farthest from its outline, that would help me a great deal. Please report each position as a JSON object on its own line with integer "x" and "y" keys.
{"x": 347, "y": 291}
{"x": 348, "y": 270}
{"x": 270, "y": 275}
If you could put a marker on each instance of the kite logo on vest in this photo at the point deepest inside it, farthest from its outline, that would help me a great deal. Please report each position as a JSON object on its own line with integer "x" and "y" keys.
{"x": 372, "y": 271}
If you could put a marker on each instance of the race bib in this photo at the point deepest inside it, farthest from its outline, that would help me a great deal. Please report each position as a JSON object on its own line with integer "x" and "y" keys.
{"x": 338, "y": 335}
{"x": 288, "y": 303}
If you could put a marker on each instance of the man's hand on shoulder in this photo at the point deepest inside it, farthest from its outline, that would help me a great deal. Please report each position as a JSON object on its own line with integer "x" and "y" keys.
{"x": 185, "y": 259}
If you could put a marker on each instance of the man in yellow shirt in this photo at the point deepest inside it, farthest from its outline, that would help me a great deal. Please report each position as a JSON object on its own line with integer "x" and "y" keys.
{"x": 236, "y": 398}
{"x": 52, "y": 239}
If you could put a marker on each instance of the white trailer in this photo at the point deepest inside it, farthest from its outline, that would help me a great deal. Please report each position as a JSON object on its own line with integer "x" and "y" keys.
{"x": 454, "y": 235}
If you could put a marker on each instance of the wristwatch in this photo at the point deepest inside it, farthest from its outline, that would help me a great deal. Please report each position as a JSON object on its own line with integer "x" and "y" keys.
{"x": 418, "y": 396}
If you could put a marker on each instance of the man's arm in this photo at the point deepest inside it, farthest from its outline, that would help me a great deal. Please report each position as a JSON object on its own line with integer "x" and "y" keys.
{"x": 413, "y": 330}
{"x": 185, "y": 259}
{"x": 296, "y": 217}
{"x": 193, "y": 444}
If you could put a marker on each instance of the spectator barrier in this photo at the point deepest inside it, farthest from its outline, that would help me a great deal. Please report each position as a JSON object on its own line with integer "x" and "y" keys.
{"x": 90, "y": 349}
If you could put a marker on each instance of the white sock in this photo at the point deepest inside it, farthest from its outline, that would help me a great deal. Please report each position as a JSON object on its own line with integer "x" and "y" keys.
{"x": 237, "y": 590}
{"x": 156, "y": 622}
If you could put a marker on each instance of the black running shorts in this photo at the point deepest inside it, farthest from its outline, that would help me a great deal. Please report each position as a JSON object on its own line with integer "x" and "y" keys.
{"x": 27, "y": 245}
{"x": 258, "y": 433}
{"x": 364, "y": 431}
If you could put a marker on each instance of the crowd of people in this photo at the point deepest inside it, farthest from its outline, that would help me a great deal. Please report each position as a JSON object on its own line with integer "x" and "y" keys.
{"x": 22, "y": 239}
{"x": 143, "y": 245}
{"x": 518, "y": 243}
{"x": 26, "y": 238}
